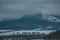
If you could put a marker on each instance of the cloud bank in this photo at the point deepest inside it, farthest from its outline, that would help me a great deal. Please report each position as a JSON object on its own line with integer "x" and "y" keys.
{"x": 17, "y": 8}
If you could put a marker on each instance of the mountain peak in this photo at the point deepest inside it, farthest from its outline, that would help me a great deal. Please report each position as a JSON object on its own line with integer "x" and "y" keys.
{"x": 30, "y": 22}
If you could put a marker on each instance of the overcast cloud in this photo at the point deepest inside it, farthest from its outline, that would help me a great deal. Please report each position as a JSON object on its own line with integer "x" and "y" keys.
{"x": 17, "y": 8}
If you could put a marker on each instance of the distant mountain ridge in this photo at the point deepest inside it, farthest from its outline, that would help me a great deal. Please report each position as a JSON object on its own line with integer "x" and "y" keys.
{"x": 31, "y": 22}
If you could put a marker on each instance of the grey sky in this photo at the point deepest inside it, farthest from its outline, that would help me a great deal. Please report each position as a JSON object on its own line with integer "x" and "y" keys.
{"x": 16, "y": 8}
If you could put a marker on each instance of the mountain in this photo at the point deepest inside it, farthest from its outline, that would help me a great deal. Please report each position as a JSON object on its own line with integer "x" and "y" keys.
{"x": 31, "y": 22}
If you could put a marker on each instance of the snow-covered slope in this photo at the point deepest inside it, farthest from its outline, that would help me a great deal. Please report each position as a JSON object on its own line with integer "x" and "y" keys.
{"x": 51, "y": 18}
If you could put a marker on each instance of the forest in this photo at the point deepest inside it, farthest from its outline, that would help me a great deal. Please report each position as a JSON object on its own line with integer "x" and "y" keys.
{"x": 35, "y": 35}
